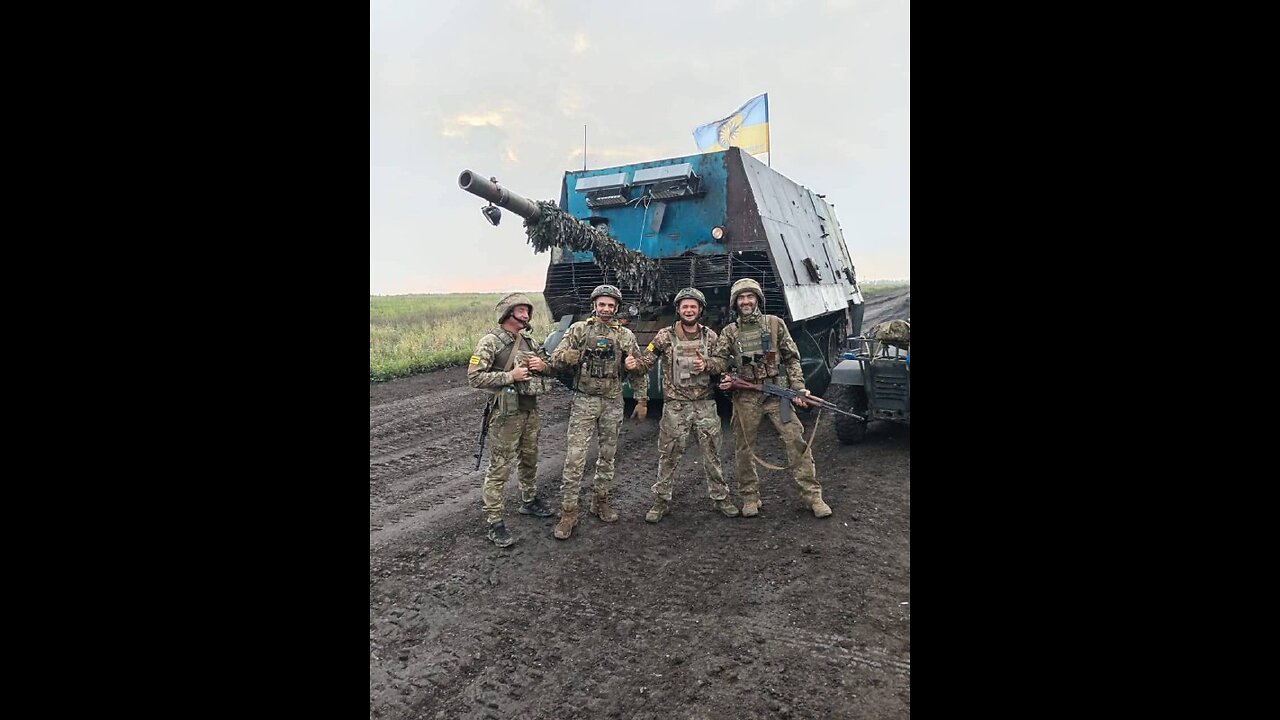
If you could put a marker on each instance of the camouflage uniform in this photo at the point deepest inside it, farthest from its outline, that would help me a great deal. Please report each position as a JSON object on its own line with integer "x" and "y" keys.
{"x": 765, "y": 341}
{"x": 689, "y": 403}
{"x": 513, "y": 414}
{"x": 597, "y": 402}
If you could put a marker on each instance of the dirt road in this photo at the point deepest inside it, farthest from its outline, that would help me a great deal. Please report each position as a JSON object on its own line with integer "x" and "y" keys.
{"x": 698, "y": 616}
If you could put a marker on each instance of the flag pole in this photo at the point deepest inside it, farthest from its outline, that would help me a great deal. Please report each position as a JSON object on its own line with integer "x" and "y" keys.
{"x": 767, "y": 141}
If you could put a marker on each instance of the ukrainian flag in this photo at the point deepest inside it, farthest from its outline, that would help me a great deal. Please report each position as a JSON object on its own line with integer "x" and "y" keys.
{"x": 748, "y": 128}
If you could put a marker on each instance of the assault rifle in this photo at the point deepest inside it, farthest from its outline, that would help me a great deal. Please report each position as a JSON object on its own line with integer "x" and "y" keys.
{"x": 484, "y": 430}
{"x": 785, "y": 396}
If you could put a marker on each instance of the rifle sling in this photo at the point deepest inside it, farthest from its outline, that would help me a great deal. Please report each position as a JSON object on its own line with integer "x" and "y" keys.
{"x": 510, "y": 350}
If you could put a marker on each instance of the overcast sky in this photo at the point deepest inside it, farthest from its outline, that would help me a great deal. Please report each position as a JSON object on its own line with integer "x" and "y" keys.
{"x": 504, "y": 87}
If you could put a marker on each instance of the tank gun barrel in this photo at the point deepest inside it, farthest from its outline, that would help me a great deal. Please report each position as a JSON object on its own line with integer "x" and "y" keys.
{"x": 499, "y": 196}
{"x": 548, "y": 226}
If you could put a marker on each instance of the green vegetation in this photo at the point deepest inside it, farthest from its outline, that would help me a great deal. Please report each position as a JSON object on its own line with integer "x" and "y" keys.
{"x": 875, "y": 287}
{"x": 414, "y": 333}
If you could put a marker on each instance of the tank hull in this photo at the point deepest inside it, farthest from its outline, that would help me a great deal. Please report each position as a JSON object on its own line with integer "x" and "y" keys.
{"x": 775, "y": 231}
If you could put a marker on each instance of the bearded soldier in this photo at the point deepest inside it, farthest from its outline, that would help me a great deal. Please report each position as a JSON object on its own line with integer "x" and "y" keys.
{"x": 760, "y": 347}
{"x": 689, "y": 403}
{"x": 597, "y": 351}
{"x": 506, "y": 363}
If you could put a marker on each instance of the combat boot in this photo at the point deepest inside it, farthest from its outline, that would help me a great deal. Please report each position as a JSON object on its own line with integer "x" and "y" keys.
{"x": 535, "y": 507}
{"x": 750, "y": 507}
{"x": 600, "y": 507}
{"x": 499, "y": 535}
{"x": 820, "y": 509}
{"x": 660, "y": 508}
{"x": 726, "y": 507}
{"x": 564, "y": 528}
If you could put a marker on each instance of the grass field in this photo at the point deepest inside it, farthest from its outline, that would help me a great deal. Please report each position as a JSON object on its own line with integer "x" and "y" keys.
{"x": 415, "y": 333}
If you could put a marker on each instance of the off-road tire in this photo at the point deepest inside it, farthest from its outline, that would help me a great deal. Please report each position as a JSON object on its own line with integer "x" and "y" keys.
{"x": 853, "y": 398}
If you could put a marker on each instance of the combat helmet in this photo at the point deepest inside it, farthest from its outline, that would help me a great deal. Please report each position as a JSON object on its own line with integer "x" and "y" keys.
{"x": 694, "y": 293}
{"x": 609, "y": 290}
{"x": 507, "y": 305}
{"x": 745, "y": 285}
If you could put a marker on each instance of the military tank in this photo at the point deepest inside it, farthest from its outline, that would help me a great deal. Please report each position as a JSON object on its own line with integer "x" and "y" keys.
{"x": 703, "y": 221}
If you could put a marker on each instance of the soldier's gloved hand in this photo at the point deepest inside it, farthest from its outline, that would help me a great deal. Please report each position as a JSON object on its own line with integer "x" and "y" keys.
{"x": 641, "y": 412}
{"x": 519, "y": 374}
{"x": 571, "y": 356}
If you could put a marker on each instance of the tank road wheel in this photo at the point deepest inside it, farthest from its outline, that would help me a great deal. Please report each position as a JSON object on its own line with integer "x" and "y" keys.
{"x": 854, "y": 399}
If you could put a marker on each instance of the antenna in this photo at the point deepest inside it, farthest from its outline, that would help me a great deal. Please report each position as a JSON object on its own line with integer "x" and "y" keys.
{"x": 584, "y": 146}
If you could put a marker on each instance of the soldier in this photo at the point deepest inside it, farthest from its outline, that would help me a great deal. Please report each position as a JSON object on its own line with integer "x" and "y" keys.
{"x": 759, "y": 346}
{"x": 689, "y": 403}
{"x": 504, "y": 363}
{"x": 597, "y": 350}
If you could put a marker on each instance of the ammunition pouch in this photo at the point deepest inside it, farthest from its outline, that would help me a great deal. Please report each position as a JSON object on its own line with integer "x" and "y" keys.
{"x": 506, "y": 402}
{"x": 600, "y": 361}
{"x": 757, "y": 353}
{"x": 758, "y": 367}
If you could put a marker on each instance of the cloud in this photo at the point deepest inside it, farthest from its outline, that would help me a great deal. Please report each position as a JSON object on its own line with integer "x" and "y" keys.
{"x": 397, "y": 71}
{"x": 461, "y": 124}
{"x": 570, "y": 102}
{"x": 617, "y": 154}
{"x": 533, "y": 7}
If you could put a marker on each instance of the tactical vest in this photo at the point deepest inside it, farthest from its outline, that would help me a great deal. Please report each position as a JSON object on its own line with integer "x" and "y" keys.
{"x": 601, "y": 363}
{"x": 683, "y": 355}
{"x": 757, "y": 349}
{"x": 527, "y": 389}
{"x": 600, "y": 357}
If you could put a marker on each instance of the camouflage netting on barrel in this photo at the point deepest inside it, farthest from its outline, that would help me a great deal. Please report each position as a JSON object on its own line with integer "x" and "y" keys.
{"x": 630, "y": 268}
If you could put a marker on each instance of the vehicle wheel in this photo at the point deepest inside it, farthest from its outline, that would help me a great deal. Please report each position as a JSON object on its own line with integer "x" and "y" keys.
{"x": 854, "y": 399}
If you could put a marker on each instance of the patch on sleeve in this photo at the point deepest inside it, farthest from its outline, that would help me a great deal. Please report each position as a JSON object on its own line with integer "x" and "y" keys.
{"x": 650, "y": 348}
{"x": 475, "y": 359}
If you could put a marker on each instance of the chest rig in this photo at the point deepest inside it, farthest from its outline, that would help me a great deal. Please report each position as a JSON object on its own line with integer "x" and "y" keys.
{"x": 683, "y": 355}
{"x": 757, "y": 350}
{"x": 600, "y": 352}
{"x": 522, "y": 349}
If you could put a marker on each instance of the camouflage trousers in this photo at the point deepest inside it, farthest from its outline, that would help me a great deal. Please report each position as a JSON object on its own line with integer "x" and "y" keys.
{"x": 603, "y": 416}
{"x": 748, "y": 412}
{"x": 512, "y": 438}
{"x": 678, "y": 418}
